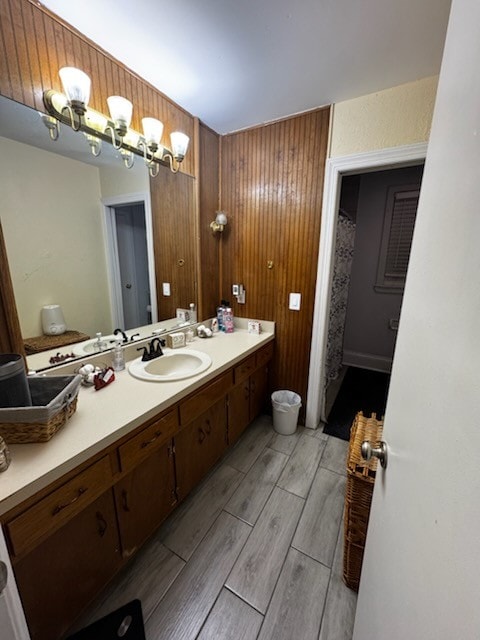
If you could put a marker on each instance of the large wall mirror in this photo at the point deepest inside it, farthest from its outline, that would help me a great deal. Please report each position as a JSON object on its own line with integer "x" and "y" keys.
{"x": 78, "y": 230}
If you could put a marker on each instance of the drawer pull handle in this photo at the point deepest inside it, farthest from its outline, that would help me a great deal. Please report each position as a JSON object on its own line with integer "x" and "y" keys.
{"x": 60, "y": 507}
{"x": 208, "y": 428}
{"x": 102, "y": 524}
{"x": 201, "y": 435}
{"x": 147, "y": 442}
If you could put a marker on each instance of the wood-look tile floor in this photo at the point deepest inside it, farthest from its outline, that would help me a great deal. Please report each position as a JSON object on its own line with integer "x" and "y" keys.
{"x": 255, "y": 552}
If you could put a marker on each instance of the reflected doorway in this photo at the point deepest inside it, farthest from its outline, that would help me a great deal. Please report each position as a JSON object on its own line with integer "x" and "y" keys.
{"x": 131, "y": 263}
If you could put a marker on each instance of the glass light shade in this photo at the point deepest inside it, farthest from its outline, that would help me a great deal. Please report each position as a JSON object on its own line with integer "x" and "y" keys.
{"x": 120, "y": 110}
{"x": 96, "y": 120}
{"x": 221, "y": 218}
{"x": 152, "y": 131}
{"x": 179, "y": 144}
{"x": 76, "y": 85}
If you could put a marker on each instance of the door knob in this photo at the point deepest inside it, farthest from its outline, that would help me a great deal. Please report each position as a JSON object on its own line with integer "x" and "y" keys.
{"x": 379, "y": 452}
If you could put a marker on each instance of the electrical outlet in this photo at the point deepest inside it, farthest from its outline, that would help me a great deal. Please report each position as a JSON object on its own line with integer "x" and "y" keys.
{"x": 166, "y": 288}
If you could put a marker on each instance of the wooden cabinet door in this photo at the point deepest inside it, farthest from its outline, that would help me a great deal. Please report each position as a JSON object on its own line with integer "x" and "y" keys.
{"x": 258, "y": 391}
{"x": 199, "y": 446}
{"x": 144, "y": 498}
{"x": 238, "y": 410}
{"x": 60, "y": 576}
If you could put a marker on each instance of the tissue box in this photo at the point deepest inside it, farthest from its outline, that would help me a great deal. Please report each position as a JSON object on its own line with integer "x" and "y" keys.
{"x": 176, "y": 340}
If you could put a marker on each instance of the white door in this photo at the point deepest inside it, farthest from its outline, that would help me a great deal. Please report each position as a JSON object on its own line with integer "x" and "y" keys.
{"x": 12, "y": 619}
{"x": 421, "y": 571}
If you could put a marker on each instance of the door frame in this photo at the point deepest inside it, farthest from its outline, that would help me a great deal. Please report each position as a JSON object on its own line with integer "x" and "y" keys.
{"x": 335, "y": 169}
{"x": 114, "y": 283}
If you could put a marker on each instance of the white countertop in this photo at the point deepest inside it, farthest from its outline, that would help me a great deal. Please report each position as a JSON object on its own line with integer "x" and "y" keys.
{"x": 102, "y": 417}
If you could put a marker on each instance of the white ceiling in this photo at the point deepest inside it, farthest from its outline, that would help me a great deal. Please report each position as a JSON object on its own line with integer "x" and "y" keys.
{"x": 237, "y": 63}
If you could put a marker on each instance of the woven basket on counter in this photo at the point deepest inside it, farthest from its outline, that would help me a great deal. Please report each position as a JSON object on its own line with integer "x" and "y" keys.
{"x": 360, "y": 480}
{"x": 54, "y": 401}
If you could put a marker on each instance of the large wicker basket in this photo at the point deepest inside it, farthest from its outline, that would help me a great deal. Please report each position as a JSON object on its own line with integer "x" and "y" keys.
{"x": 358, "y": 497}
{"x": 54, "y": 400}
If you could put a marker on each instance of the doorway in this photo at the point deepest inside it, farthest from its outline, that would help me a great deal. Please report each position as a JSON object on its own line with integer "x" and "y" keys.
{"x": 336, "y": 169}
{"x": 131, "y": 263}
{"x": 375, "y": 226}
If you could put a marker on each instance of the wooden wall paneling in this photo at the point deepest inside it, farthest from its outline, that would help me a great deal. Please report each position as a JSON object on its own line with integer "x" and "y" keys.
{"x": 174, "y": 212}
{"x": 10, "y": 334}
{"x": 271, "y": 187}
{"x": 209, "y": 243}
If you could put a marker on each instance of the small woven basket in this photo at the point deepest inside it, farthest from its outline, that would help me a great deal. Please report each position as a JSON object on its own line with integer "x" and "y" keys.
{"x": 54, "y": 401}
{"x": 360, "y": 480}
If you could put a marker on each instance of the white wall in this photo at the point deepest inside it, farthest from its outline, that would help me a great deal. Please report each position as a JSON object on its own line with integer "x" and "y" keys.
{"x": 52, "y": 220}
{"x": 398, "y": 116}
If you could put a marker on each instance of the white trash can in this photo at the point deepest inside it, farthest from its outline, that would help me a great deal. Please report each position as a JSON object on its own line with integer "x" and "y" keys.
{"x": 286, "y": 405}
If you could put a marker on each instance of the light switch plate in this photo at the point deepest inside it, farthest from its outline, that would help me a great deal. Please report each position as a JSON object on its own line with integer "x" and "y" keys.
{"x": 166, "y": 288}
{"x": 294, "y": 301}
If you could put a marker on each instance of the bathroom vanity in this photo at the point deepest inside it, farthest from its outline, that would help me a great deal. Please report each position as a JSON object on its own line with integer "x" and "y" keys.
{"x": 73, "y": 510}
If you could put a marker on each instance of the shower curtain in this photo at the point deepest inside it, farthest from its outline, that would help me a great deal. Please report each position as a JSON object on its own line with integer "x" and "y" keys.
{"x": 344, "y": 242}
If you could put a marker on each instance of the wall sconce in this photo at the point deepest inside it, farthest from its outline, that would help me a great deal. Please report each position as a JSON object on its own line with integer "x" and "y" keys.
{"x": 219, "y": 223}
{"x": 71, "y": 108}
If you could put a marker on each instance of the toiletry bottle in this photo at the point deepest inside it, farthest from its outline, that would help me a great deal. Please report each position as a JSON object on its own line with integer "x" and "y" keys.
{"x": 228, "y": 320}
{"x": 220, "y": 311}
{"x": 118, "y": 356}
{"x": 193, "y": 313}
{"x": 99, "y": 344}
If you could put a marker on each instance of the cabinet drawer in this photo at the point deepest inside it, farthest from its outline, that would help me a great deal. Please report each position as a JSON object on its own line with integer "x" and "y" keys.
{"x": 264, "y": 355}
{"x": 148, "y": 440}
{"x": 59, "y": 506}
{"x": 244, "y": 369}
{"x": 205, "y": 397}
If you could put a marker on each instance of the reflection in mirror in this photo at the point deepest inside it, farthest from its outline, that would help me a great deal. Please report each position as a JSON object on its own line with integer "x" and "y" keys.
{"x": 77, "y": 228}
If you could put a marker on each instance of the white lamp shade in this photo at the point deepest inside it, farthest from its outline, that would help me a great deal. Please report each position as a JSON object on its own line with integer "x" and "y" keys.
{"x": 152, "y": 130}
{"x": 221, "y": 218}
{"x": 120, "y": 110}
{"x": 76, "y": 84}
{"x": 179, "y": 144}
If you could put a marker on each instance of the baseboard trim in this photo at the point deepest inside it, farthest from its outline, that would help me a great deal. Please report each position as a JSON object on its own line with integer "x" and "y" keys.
{"x": 367, "y": 361}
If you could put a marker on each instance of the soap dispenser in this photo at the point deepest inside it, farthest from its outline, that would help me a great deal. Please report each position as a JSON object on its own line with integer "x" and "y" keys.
{"x": 118, "y": 356}
{"x": 99, "y": 344}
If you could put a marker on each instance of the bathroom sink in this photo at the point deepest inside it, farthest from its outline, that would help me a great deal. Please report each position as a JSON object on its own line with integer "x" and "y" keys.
{"x": 87, "y": 348}
{"x": 173, "y": 365}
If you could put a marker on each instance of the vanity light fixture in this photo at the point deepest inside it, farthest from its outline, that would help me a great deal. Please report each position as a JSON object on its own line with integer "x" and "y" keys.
{"x": 71, "y": 108}
{"x": 121, "y": 111}
{"x": 76, "y": 85}
{"x": 94, "y": 143}
{"x": 219, "y": 223}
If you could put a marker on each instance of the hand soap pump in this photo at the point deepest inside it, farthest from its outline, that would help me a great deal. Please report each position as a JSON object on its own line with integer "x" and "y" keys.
{"x": 193, "y": 313}
{"x": 100, "y": 344}
{"x": 118, "y": 356}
